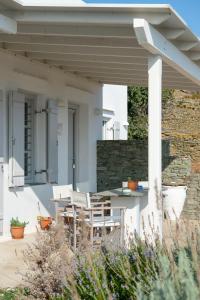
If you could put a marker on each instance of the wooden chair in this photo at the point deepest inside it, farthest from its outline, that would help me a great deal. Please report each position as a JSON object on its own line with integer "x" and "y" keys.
{"x": 61, "y": 198}
{"x": 98, "y": 217}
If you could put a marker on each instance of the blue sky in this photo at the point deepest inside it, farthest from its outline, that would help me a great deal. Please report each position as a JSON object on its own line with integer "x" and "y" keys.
{"x": 188, "y": 9}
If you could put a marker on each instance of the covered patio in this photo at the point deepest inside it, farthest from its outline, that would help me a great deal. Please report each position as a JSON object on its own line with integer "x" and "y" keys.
{"x": 141, "y": 45}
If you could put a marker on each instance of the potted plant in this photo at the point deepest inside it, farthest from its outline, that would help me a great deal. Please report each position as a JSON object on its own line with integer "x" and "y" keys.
{"x": 17, "y": 228}
{"x": 45, "y": 222}
{"x": 132, "y": 184}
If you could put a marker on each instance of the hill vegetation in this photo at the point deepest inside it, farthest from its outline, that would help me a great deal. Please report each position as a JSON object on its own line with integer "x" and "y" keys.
{"x": 138, "y": 110}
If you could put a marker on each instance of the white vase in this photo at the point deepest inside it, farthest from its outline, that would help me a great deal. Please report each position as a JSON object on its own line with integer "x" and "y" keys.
{"x": 173, "y": 201}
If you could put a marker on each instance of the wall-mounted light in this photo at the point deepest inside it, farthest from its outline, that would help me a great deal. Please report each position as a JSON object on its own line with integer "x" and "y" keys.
{"x": 125, "y": 124}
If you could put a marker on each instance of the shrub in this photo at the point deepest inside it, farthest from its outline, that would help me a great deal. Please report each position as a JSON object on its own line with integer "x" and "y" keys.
{"x": 178, "y": 283}
{"x": 116, "y": 275}
{"x": 48, "y": 264}
{"x": 167, "y": 271}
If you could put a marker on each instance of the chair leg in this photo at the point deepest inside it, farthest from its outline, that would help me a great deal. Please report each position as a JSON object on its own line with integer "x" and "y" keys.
{"x": 56, "y": 209}
{"x": 74, "y": 228}
{"x": 91, "y": 229}
{"x": 122, "y": 227}
{"x": 91, "y": 235}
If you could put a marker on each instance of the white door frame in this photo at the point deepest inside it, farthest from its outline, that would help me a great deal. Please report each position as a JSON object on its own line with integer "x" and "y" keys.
{"x": 75, "y": 109}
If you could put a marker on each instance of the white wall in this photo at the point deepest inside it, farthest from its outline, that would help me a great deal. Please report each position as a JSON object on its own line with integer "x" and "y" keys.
{"x": 115, "y": 110}
{"x": 1, "y": 163}
{"x": 19, "y": 73}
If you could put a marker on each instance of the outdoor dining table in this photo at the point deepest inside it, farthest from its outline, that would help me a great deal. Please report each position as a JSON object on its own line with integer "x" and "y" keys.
{"x": 132, "y": 201}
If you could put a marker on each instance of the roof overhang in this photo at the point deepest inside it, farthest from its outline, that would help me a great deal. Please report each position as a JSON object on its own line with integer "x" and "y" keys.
{"x": 106, "y": 43}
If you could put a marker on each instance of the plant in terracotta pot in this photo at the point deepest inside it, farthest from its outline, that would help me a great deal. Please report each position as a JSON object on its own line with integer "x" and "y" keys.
{"x": 17, "y": 228}
{"x": 132, "y": 184}
{"x": 45, "y": 222}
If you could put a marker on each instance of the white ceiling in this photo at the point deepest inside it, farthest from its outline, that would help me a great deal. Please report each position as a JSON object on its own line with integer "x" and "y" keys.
{"x": 98, "y": 41}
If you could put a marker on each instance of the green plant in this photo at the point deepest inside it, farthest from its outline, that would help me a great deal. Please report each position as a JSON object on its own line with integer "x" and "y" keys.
{"x": 16, "y": 223}
{"x": 12, "y": 294}
{"x": 174, "y": 281}
{"x": 138, "y": 110}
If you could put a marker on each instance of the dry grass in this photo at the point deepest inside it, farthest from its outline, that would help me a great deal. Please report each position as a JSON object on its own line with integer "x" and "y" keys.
{"x": 182, "y": 231}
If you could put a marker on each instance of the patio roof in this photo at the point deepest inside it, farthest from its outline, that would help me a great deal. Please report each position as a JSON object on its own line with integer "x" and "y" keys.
{"x": 106, "y": 43}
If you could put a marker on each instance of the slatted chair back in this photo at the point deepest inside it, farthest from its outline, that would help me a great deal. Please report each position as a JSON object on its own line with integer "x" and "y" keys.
{"x": 61, "y": 198}
{"x": 61, "y": 192}
{"x": 81, "y": 199}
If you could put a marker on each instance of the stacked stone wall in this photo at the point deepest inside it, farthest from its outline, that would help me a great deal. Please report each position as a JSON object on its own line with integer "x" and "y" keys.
{"x": 118, "y": 160}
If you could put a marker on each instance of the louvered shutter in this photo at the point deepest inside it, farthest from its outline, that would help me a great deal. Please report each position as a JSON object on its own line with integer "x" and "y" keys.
{"x": 16, "y": 139}
{"x": 52, "y": 145}
{"x": 41, "y": 138}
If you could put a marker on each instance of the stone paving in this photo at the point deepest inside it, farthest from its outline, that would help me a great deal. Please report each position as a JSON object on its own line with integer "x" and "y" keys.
{"x": 11, "y": 261}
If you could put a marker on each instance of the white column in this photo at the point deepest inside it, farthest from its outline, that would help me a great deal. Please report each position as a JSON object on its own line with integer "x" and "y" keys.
{"x": 155, "y": 142}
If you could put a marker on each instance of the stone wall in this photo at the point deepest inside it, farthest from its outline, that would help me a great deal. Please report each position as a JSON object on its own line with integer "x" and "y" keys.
{"x": 192, "y": 205}
{"x": 118, "y": 160}
{"x": 181, "y": 117}
{"x": 182, "y": 127}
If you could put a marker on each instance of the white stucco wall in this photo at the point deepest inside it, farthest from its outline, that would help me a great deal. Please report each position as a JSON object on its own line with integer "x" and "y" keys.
{"x": 19, "y": 73}
{"x": 115, "y": 110}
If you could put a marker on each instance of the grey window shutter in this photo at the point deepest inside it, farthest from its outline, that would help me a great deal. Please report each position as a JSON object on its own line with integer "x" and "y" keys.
{"x": 52, "y": 145}
{"x": 16, "y": 139}
{"x": 41, "y": 138}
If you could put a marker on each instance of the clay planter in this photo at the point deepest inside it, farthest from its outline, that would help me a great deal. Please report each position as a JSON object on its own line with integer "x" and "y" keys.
{"x": 17, "y": 232}
{"x": 45, "y": 223}
{"x": 133, "y": 185}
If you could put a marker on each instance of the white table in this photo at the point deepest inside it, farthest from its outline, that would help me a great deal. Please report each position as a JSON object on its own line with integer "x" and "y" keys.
{"x": 132, "y": 202}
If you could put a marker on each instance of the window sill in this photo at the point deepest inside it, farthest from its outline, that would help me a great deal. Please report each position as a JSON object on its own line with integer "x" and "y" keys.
{"x": 34, "y": 184}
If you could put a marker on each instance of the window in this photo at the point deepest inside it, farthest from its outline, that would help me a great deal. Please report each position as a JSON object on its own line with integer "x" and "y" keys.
{"x": 33, "y": 146}
{"x": 28, "y": 139}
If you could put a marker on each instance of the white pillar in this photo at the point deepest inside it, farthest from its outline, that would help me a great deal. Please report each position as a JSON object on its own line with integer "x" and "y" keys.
{"x": 155, "y": 142}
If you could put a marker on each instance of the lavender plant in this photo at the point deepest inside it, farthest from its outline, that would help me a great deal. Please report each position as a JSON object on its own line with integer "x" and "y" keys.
{"x": 179, "y": 283}
{"x": 168, "y": 271}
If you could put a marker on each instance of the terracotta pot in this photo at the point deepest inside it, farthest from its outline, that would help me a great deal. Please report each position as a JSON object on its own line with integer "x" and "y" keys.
{"x": 17, "y": 232}
{"x": 133, "y": 185}
{"x": 45, "y": 223}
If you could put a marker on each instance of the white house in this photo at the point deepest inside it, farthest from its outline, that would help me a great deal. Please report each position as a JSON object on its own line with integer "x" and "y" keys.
{"x": 49, "y": 124}
{"x": 115, "y": 112}
{"x": 55, "y": 58}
